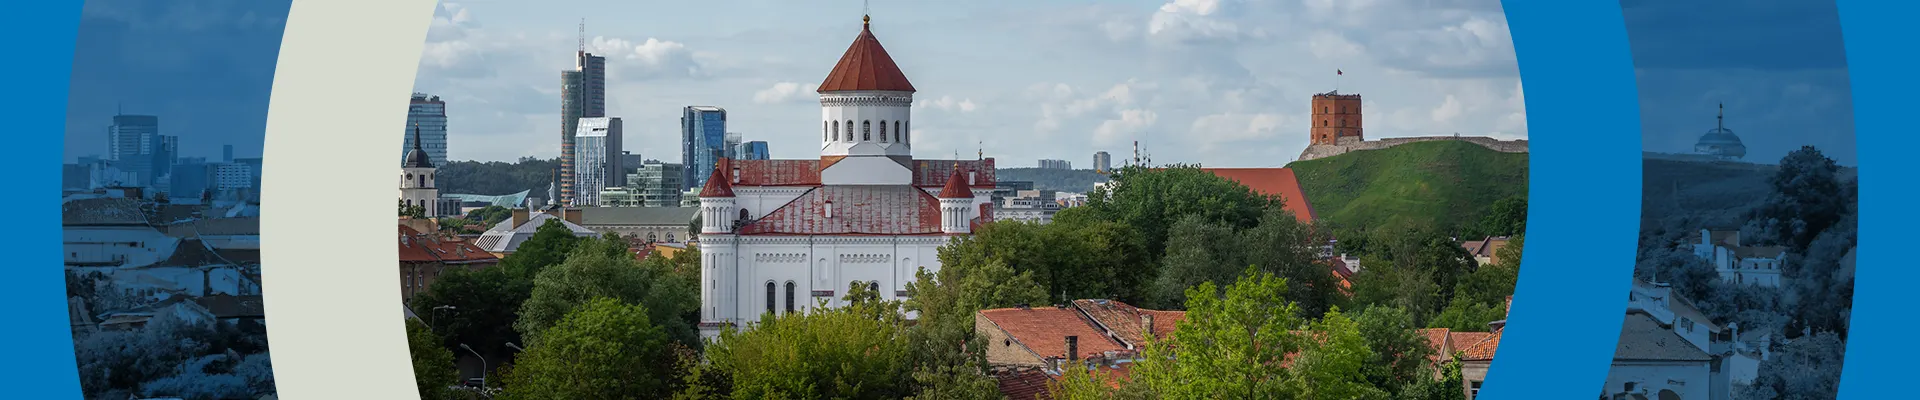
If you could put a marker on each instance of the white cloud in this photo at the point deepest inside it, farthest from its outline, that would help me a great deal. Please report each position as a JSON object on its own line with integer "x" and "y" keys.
{"x": 785, "y": 92}
{"x": 948, "y": 103}
{"x": 1127, "y": 123}
{"x": 651, "y": 59}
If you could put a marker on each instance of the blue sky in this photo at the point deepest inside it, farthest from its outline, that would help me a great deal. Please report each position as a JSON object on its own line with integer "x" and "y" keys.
{"x": 1779, "y": 65}
{"x": 1221, "y": 82}
{"x": 205, "y": 67}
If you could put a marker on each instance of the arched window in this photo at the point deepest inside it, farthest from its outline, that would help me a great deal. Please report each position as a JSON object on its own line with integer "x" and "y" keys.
{"x": 743, "y": 214}
{"x": 790, "y": 289}
{"x": 670, "y": 238}
{"x": 651, "y": 236}
{"x": 849, "y": 130}
{"x": 908, "y": 131}
{"x": 866, "y": 130}
{"x": 1324, "y": 122}
{"x": 422, "y": 179}
{"x": 770, "y": 295}
{"x": 896, "y": 132}
{"x": 883, "y": 131}
{"x": 874, "y": 286}
{"x": 823, "y": 130}
{"x": 836, "y": 130}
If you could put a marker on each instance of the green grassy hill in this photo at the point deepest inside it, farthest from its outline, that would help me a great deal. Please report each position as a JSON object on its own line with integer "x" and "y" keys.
{"x": 1711, "y": 193}
{"x": 1445, "y": 182}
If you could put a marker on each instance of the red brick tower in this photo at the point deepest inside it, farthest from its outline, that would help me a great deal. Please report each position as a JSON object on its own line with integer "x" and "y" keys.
{"x": 1335, "y": 116}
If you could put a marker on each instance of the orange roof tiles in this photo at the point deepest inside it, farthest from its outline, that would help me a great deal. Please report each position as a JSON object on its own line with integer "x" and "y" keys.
{"x": 418, "y": 247}
{"x": 866, "y": 66}
{"x": 1024, "y": 384}
{"x": 956, "y": 187}
{"x": 1279, "y": 182}
{"x": 1044, "y": 331}
{"x": 1483, "y": 349}
{"x": 1124, "y": 320}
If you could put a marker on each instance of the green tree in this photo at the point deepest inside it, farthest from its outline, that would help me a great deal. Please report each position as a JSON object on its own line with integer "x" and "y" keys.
{"x": 603, "y": 268}
{"x": 1292, "y": 250}
{"x": 1808, "y": 197}
{"x": 825, "y": 353}
{"x": 490, "y": 215}
{"x": 1076, "y": 260}
{"x": 550, "y": 244}
{"x": 1448, "y": 386}
{"x": 946, "y": 355}
{"x": 433, "y": 369}
{"x": 1331, "y": 364}
{"x": 1198, "y": 252}
{"x": 1465, "y": 315}
{"x": 603, "y": 349}
{"x": 1232, "y": 345}
{"x": 1506, "y": 217}
{"x": 477, "y": 308}
{"x": 1401, "y": 355}
{"x": 1150, "y": 200}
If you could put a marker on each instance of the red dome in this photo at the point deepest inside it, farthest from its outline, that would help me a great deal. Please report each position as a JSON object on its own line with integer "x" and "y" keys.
{"x": 717, "y": 185}
{"x": 866, "y": 66}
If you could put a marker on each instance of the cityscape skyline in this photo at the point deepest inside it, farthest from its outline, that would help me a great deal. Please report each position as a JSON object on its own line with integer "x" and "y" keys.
{"x": 1218, "y": 93}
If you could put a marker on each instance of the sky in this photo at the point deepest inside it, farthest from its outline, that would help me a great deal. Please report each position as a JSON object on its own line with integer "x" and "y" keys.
{"x": 1218, "y": 82}
{"x": 204, "y": 67}
{"x": 1778, "y": 65}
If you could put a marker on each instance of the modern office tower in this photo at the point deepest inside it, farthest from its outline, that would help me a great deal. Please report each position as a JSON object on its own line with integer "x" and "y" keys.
{"x": 1102, "y": 162}
{"x": 733, "y": 145}
{"x": 583, "y": 94}
{"x": 629, "y": 163}
{"x": 429, "y": 114}
{"x": 190, "y": 180}
{"x": 703, "y": 134}
{"x": 658, "y": 184}
{"x": 226, "y": 153}
{"x": 132, "y": 144}
{"x": 754, "y": 150}
{"x": 596, "y": 158}
{"x": 232, "y": 176}
{"x": 165, "y": 153}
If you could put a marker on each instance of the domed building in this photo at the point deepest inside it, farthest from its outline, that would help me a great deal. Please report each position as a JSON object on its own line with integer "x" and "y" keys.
{"x": 777, "y": 236}
{"x": 1720, "y": 142}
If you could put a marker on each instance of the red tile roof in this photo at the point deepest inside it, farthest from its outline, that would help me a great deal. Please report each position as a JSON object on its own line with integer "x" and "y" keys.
{"x": 956, "y": 187}
{"x": 1124, "y": 320}
{"x": 717, "y": 185}
{"x": 1024, "y": 384}
{"x": 926, "y": 173}
{"x": 856, "y": 210}
{"x": 416, "y": 247}
{"x": 1044, "y": 331}
{"x": 866, "y": 66}
{"x": 1278, "y": 182}
{"x": 1483, "y": 349}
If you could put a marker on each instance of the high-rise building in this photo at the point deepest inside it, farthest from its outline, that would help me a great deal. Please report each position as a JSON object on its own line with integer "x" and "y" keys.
{"x": 658, "y": 184}
{"x": 232, "y": 176}
{"x": 165, "y": 154}
{"x": 429, "y": 114}
{"x": 190, "y": 180}
{"x": 754, "y": 150}
{"x": 1055, "y": 164}
{"x": 132, "y": 144}
{"x": 1102, "y": 162}
{"x": 703, "y": 133}
{"x": 629, "y": 162}
{"x": 583, "y": 94}
{"x": 733, "y": 145}
{"x": 226, "y": 153}
{"x": 596, "y": 159}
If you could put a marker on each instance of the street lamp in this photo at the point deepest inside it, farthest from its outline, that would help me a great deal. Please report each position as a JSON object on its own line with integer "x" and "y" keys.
{"x": 432, "y": 319}
{"x": 483, "y": 364}
{"x": 515, "y": 347}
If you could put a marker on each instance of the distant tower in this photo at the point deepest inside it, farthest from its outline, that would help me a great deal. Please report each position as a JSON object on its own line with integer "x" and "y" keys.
{"x": 416, "y": 179}
{"x": 955, "y": 199}
{"x": 1721, "y": 142}
{"x": 866, "y": 127}
{"x": 1336, "y": 116}
{"x": 583, "y": 94}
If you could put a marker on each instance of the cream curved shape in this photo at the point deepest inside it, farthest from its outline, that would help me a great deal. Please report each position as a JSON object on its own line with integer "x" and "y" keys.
{"x": 334, "y": 316}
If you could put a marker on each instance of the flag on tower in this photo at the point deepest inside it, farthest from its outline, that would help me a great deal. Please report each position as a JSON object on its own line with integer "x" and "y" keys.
{"x": 1338, "y": 72}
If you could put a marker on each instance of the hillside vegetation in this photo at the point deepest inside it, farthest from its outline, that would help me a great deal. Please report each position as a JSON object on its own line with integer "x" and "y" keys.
{"x": 1447, "y": 183}
{"x": 1073, "y": 181}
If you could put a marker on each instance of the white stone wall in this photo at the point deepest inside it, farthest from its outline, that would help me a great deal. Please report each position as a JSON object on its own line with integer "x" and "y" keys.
{"x": 1690, "y": 379}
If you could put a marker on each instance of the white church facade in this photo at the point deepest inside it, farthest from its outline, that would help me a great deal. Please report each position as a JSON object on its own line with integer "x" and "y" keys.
{"x": 777, "y": 236}
{"x": 416, "y": 179}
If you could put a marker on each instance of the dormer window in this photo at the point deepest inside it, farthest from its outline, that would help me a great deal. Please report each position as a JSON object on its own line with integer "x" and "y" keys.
{"x": 736, "y": 174}
{"x": 828, "y": 209}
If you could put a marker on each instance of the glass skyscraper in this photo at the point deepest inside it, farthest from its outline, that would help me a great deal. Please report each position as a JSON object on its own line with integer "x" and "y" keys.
{"x": 134, "y": 145}
{"x": 703, "y": 135}
{"x": 597, "y": 159}
{"x": 583, "y": 94}
{"x": 430, "y": 114}
{"x": 754, "y": 150}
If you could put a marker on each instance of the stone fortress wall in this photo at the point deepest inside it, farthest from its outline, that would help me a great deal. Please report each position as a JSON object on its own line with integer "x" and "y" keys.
{"x": 1350, "y": 144}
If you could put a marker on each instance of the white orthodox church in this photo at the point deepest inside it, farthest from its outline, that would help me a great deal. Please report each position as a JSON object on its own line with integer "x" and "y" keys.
{"x": 416, "y": 179}
{"x": 779, "y": 235}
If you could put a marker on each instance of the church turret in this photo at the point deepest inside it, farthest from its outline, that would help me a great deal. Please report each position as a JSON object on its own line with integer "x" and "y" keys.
{"x": 416, "y": 179}
{"x": 866, "y": 123}
{"x": 956, "y": 204}
{"x": 717, "y": 202}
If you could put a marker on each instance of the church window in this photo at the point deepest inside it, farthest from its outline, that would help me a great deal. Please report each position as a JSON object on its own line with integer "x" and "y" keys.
{"x": 423, "y": 180}
{"x": 770, "y": 297}
{"x": 883, "y": 131}
{"x": 823, "y": 130}
{"x": 836, "y": 130}
{"x": 651, "y": 236}
{"x": 908, "y": 131}
{"x": 670, "y": 238}
{"x": 790, "y": 289}
{"x": 743, "y": 214}
{"x": 874, "y": 286}
{"x": 866, "y": 130}
{"x": 849, "y": 130}
{"x": 896, "y": 131}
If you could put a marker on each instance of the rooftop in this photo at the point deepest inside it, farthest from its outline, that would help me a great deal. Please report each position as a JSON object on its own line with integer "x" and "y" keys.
{"x": 1644, "y": 339}
{"x": 866, "y": 66}
{"x": 1044, "y": 331}
{"x": 1278, "y": 182}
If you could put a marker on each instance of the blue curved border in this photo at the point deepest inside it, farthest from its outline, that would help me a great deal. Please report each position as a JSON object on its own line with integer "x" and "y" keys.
{"x": 1584, "y": 207}
{"x": 1879, "y": 38}
{"x": 39, "y": 344}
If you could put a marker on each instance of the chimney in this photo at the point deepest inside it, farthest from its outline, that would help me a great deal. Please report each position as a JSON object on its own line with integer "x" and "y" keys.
{"x": 1146, "y": 324}
{"x": 1073, "y": 348}
{"x": 520, "y": 216}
